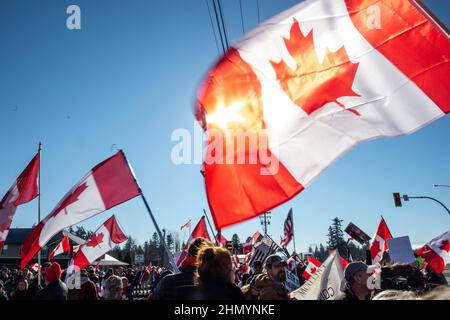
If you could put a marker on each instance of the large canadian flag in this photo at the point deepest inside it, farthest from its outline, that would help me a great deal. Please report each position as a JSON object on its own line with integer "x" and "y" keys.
{"x": 315, "y": 81}
{"x": 437, "y": 252}
{"x": 24, "y": 189}
{"x": 62, "y": 247}
{"x": 108, "y": 184}
{"x": 379, "y": 243}
{"x": 311, "y": 268}
{"x": 103, "y": 240}
{"x": 200, "y": 230}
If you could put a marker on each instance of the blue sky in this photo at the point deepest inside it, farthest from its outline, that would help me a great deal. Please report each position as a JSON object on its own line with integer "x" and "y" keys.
{"x": 129, "y": 78}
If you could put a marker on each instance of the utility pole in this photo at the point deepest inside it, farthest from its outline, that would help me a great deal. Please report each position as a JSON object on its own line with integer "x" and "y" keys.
{"x": 265, "y": 221}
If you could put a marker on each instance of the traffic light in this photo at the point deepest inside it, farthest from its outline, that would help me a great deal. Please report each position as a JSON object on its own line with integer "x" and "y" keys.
{"x": 397, "y": 199}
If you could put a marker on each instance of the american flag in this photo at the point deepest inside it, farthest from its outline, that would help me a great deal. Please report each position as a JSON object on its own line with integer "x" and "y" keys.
{"x": 263, "y": 249}
{"x": 251, "y": 242}
{"x": 235, "y": 260}
{"x": 288, "y": 230}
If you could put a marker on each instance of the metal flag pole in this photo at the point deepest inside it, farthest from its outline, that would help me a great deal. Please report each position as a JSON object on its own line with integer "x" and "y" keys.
{"x": 293, "y": 230}
{"x": 39, "y": 211}
{"x": 212, "y": 230}
{"x": 169, "y": 254}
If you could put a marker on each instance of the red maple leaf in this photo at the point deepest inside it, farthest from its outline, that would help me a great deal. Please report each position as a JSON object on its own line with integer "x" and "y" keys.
{"x": 71, "y": 198}
{"x": 313, "y": 269}
{"x": 445, "y": 245}
{"x": 95, "y": 240}
{"x": 313, "y": 84}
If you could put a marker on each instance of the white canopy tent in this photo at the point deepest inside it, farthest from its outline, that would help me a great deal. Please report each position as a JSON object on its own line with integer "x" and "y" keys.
{"x": 107, "y": 260}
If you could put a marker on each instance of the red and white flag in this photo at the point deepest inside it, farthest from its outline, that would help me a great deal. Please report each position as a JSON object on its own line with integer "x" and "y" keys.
{"x": 74, "y": 249}
{"x": 311, "y": 267}
{"x": 315, "y": 81}
{"x": 24, "y": 189}
{"x": 288, "y": 230}
{"x": 293, "y": 262}
{"x": 62, "y": 247}
{"x": 221, "y": 240}
{"x": 344, "y": 262}
{"x": 235, "y": 260}
{"x": 108, "y": 184}
{"x": 200, "y": 230}
{"x": 379, "y": 243}
{"x": 102, "y": 241}
{"x": 34, "y": 267}
{"x": 246, "y": 268}
{"x": 249, "y": 245}
{"x": 186, "y": 225}
{"x": 437, "y": 252}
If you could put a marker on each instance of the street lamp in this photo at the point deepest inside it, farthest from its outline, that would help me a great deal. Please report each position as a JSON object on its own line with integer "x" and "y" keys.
{"x": 405, "y": 197}
{"x": 441, "y": 185}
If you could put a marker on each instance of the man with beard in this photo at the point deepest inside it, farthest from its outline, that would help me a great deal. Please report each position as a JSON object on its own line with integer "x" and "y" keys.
{"x": 270, "y": 285}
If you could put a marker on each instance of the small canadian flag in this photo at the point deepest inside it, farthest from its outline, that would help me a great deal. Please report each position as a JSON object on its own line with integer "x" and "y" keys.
{"x": 34, "y": 267}
{"x": 311, "y": 268}
{"x": 103, "y": 240}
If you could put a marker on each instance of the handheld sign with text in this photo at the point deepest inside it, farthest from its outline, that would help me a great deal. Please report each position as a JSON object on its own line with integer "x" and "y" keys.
{"x": 357, "y": 234}
{"x": 292, "y": 281}
{"x": 400, "y": 250}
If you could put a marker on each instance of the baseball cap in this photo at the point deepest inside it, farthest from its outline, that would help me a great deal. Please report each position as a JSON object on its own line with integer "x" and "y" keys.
{"x": 273, "y": 260}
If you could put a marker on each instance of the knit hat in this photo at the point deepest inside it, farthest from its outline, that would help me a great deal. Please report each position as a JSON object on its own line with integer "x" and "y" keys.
{"x": 353, "y": 268}
{"x": 53, "y": 273}
{"x": 350, "y": 270}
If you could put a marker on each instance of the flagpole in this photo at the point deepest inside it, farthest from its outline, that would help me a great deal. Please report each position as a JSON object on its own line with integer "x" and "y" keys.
{"x": 212, "y": 230}
{"x": 169, "y": 254}
{"x": 293, "y": 230}
{"x": 39, "y": 211}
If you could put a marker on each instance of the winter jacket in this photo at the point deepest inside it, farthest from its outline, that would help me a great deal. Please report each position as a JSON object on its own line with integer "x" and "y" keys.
{"x": 87, "y": 291}
{"x": 166, "y": 288}
{"x": 210, "y": 291}
{"x": 21, "y": 295}
{"x": 56, "y": 290}
{"x": 349, "y": 295}
{"x": 270, "y": 289}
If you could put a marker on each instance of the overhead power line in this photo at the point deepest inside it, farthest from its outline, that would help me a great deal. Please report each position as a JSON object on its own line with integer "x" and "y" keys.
{"x": 212, "y": 27}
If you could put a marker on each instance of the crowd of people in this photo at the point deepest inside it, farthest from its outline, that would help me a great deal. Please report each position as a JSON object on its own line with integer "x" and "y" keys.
{"x": 207, "y": 273}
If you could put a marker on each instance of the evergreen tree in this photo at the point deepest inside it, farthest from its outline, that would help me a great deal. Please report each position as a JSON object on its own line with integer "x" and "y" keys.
{"x": 154, "y": 250}
{"x": 170, "y": 242}
{"x": 236, "y": 242}
{"x": 316, "y": 253}
{"x": 336, "y": 237}
{"x": 322, "y": 253}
